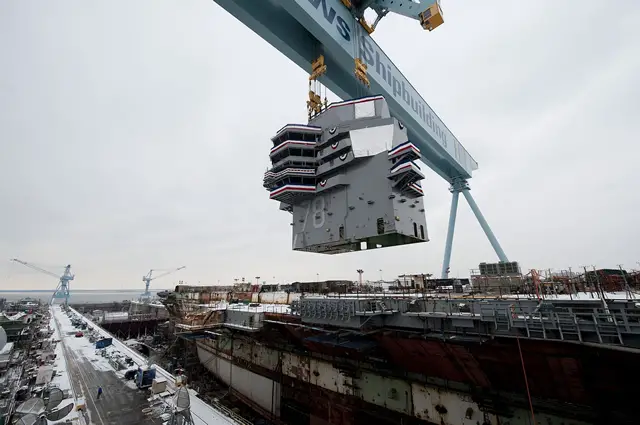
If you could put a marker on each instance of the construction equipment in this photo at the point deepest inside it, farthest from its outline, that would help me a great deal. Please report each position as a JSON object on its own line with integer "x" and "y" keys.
{"x": 62, "y": 290}
{"x": 146, "y": 296}
{"x": 333, "y": 38}
{"x": 145, "y": 376}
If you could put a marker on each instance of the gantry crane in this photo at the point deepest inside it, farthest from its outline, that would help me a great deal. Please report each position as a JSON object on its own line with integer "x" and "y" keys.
{"x": 62, "y": 290}
{"x": 147, "y": 280}
{"x": 333, "y": 40}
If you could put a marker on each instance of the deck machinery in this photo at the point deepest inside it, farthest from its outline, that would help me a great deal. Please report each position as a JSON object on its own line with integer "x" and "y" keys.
{"x": 332, "y": 39}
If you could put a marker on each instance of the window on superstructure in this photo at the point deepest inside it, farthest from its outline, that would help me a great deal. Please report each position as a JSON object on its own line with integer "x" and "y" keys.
{"x": 341, "y": 232}
{"x": 302, "y": 137}
{"x": 415, "y": 229}
{"x": 421, "y": 231}
{"x": 280, "y": 155}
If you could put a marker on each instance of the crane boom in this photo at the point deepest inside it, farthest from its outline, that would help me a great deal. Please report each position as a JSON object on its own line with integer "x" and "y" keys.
{"x": 62, "y": 290}
{"x": 303, "y": 29}
{"x": 34, "y": 267}
{"x": 148, "y": 278}
{"x": 169, "y": 272}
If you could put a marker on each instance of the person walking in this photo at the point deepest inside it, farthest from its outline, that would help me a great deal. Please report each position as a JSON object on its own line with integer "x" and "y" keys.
{"x": 99, "y": 392}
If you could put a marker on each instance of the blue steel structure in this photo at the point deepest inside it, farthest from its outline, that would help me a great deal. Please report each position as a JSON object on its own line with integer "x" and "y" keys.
{"x": 146, "y": 295}
{"x": 62, "y": 290}
{"x": 303, "y": 30}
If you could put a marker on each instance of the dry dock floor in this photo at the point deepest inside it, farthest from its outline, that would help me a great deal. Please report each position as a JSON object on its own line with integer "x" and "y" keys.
{"x": 120, "y": 403}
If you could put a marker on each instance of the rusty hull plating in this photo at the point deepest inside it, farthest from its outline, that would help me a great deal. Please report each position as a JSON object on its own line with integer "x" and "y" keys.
{"x": 579, "y": 356}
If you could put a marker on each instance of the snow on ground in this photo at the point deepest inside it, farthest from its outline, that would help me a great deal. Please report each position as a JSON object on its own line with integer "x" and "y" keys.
{"x": 203, "y": 414}
{"x": 262, "y": 308}
{"x": 61, "y": 378}
{"x": 258, "y": 308}
{"x": 582, "y": 296}
{"x": 82, "y": 347}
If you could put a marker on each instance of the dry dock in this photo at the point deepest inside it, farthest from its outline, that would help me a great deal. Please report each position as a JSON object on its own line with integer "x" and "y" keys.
{"x": 86, "y": 371}
{"x": 121, "y": 403}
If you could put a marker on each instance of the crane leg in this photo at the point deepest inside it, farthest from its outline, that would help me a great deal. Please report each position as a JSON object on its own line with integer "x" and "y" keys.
{"x": 485, "y": 226}
{"x": 452, "y": 225}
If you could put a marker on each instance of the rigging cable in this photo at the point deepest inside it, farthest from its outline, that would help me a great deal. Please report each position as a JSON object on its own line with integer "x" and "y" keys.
{"x": 526, "y": 381}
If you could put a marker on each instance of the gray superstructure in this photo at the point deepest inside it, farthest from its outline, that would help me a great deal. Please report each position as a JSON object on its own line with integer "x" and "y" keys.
{"x": 349, "y": 178}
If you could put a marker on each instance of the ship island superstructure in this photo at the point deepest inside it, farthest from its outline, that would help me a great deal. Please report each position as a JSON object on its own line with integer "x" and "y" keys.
{"x": 350, "y": 179}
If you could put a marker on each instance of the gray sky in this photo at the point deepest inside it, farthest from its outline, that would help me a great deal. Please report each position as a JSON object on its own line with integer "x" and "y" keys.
{"x": 128, "y": 139}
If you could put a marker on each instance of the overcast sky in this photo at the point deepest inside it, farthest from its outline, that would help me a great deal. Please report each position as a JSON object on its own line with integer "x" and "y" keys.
{"x": 130, "y": 139}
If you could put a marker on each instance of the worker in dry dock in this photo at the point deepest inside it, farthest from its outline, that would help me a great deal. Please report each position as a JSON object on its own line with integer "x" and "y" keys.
{"x": 99, "y": 392}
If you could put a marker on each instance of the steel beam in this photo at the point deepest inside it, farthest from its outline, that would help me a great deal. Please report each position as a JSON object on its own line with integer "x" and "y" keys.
{"x": 304, "y": 29}
{"x": 452, "y": 224}
{"x": 485, "y": 226}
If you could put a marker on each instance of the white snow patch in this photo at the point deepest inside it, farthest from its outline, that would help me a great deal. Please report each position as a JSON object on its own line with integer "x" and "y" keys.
{"x": 582, "y": 296}
{"x": 61, "y": 378}
{"x": 261, "y": 308}
{"x": 202, "y": 413}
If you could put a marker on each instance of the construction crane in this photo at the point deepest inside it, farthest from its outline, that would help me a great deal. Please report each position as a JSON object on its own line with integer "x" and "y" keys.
{"x": 62, "y": 290}
{"x": 332, "y": 39}
{"x": 148, "y": 278}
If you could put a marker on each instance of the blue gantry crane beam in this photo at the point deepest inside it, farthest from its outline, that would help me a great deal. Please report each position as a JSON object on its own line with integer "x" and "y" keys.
{"x": 62, "y": 290}
{"x": 303, "y": 30}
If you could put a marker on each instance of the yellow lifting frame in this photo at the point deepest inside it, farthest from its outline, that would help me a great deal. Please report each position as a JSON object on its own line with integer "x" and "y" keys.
{"x": 361, "y": 72}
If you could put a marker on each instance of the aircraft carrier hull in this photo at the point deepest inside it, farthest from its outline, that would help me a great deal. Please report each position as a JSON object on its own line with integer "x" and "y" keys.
{"x": 402, "y": 359}
{"x": 300, "y": 376}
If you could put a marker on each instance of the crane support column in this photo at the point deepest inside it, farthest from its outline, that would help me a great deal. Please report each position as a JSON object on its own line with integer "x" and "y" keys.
{"x": 452, "y": 224}
{"x": 460, "y": 185}
{"x": 485, "y": 226}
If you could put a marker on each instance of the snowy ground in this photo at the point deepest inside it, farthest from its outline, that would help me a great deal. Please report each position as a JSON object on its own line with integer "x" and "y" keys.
{"x": 84, "y": 370}
{"x": 202, "y": 413}
{"x": 61, "y": 378}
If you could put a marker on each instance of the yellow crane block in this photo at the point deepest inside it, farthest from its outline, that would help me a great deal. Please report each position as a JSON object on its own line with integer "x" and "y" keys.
{"x": 314, "y": 104}
{"x": 317, "y": 68}
{"x": 368, "y": 28}
{"x": 361, "y": 72}
{"x": 431, "y": 18}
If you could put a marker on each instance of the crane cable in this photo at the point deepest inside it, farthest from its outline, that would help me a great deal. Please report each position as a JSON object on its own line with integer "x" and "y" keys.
{"x": 526, "y": 381}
